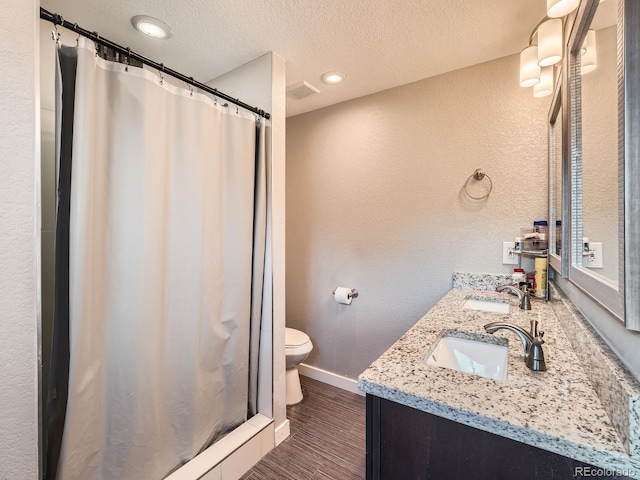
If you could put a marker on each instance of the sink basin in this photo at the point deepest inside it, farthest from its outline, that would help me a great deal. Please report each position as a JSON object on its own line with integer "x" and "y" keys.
{"x": 497, "y": 306}
{"x": 486, "y": 357}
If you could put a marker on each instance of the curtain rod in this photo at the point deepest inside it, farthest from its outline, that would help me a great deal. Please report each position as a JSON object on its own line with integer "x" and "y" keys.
{"x": 58, "y": 20}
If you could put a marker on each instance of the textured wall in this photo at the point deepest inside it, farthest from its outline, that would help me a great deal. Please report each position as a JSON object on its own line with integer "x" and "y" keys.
{"x": 375, "y": 202}
{"x": 19, "y": 240}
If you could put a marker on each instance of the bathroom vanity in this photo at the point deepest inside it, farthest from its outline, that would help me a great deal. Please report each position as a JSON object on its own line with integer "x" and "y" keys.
{"x": 426, "y": 421}
{"x": 408, "y": 443}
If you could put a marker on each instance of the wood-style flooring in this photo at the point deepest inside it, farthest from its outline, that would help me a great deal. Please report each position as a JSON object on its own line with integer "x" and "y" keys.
{"x": 327, "y": 439}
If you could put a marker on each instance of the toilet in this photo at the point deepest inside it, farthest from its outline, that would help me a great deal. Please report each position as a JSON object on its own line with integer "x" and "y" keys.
{"x": 297, "y": 347}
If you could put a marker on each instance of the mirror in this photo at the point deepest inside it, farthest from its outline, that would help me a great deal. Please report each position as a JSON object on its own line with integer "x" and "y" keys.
{"x": 602, "y": 173}
{"x": 557, "y": 245}
{"x": 599, "y": 128}
{"x": 555, "y": 178}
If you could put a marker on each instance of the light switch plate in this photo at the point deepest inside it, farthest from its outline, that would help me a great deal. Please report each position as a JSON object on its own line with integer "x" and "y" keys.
{"x": 594, "y": 258}
{"x": 509, "y": 257}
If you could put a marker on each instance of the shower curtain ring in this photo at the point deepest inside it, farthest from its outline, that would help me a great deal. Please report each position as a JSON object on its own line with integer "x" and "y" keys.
{"x": 55, "y": 34}
{"x": 191, "y": 87}
{"x": 237, "y": 103}
{"x": 96, "y": 37}
{"x": 161, "y": 74}
{"x": 126, "y": 60}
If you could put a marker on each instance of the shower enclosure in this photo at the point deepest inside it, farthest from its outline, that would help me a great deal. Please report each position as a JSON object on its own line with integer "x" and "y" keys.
{"x": 163, "y": 289}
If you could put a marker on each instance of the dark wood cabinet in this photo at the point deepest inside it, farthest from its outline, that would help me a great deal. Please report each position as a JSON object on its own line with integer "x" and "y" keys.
{"x": 405, "y": 443}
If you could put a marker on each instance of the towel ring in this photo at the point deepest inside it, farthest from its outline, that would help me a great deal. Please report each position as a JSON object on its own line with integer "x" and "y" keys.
{"x": 478, "y": 175}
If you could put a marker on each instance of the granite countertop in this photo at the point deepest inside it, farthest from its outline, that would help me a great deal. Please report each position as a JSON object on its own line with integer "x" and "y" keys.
{"x": 557, "y": 410}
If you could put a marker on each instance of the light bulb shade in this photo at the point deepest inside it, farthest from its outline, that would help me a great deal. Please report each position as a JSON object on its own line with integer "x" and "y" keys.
{"x": 560, "y": 8}
{"x": 545, "y": 86}
{"x": 589, "y": 61}
{"x": 529, "y": 68}
{"x": 550, "y": 42}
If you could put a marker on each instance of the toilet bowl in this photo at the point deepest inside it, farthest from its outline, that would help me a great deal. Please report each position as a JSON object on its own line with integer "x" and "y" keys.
{"x": 297, "y": 347}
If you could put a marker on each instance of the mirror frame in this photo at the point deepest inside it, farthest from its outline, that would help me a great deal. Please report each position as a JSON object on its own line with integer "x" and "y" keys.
{"x": 556, "y": 261}
{"x": 622, "y": 301}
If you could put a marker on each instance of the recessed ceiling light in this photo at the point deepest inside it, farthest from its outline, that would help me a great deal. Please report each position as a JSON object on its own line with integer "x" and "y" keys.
{"x": 333, "y": 78}
{"x": 151, "y": 26}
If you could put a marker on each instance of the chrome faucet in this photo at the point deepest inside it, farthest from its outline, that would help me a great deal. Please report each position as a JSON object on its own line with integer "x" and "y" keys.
{"x": 532, "y": 342}
{"x": 523, "y": 295}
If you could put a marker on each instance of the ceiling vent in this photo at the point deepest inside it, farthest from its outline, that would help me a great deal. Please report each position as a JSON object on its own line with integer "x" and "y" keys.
{"x": 302, "y": 89}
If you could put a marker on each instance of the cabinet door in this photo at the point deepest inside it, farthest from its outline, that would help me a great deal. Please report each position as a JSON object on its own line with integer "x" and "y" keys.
{"x": 406, "y": 443}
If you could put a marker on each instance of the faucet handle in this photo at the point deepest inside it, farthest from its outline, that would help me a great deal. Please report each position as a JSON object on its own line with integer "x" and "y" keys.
{"x": 523, "y": 296}
{"x": 535, "y": 358}
{"x": 533, "y": 330}
{"x": 525, "y": 303}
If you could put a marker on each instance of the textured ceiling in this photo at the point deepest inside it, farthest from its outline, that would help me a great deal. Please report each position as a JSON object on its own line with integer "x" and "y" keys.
{"x": 378, "y": 44}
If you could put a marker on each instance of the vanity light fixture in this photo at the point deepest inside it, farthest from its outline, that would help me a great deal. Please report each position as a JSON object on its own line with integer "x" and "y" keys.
{"x": 151, "y": 27}
{"x": 560, "y": 8}
{"x": 589, "y": 61}
{"x": 545, "y": 86}
{"x": 529, "y": 68}
{"x": 550, "y": 42}
{"x": 333, "y": 78}
{"x": 547, "y": 51}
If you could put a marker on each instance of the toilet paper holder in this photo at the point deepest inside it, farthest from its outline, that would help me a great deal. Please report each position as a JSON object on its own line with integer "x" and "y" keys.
{"x": 352, "y": 294}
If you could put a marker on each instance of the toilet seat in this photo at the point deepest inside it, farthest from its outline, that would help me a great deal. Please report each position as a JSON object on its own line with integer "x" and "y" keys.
{"x": 295, "y": 338}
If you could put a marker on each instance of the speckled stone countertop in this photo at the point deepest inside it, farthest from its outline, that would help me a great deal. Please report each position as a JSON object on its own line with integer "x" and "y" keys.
{"x": 557, "y": 410}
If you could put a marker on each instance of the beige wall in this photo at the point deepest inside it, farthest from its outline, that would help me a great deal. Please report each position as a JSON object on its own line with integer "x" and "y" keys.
{"x": 19, "y": 241}
{"x": 375, "y": 202}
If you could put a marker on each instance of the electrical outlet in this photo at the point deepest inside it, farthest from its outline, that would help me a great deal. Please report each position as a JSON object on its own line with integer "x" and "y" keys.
{"x": 594, "y": 258}
{"x": 509, "y": 257}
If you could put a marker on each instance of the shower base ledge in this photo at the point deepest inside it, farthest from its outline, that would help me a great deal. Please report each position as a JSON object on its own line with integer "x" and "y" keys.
{"x": 232, "y": 456}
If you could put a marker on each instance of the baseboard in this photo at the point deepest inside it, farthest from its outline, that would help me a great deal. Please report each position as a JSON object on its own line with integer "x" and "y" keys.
{"x": 330, "y": 378}
{"x": 282, "y": 432}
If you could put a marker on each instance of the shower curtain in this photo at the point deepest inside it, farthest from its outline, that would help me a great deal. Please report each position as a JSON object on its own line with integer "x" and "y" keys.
{"x": 160, "y": 260}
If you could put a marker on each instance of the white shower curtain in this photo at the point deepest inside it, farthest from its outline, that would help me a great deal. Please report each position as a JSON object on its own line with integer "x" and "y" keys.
{"x": 166, "y": 256}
